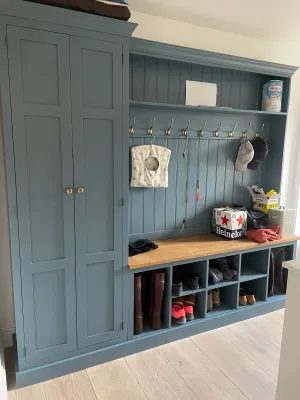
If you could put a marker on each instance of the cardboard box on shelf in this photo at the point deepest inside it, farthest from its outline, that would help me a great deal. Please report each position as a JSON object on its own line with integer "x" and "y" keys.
{"x": 229, "y": 223}
{"x": 201, "y": 94}
{"x": 262, "y": 201}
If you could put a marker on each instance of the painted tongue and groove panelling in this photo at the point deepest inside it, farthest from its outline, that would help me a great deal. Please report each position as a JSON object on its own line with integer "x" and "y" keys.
{"x": 159, "y": 213}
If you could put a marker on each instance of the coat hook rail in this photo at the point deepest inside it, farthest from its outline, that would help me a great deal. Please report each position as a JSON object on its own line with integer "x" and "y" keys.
{"x": 231, "y": 132}
{"x": 185, "y": 130}
{"x": 244, "y": 133}
{"x": 150, "y": 130}
{"x": 216, "y": 133}
{"x": 131, "y": 129}
{"x": 168, "y": 131}
{"x": 259, "y": 132}
{"x": 201, "y": 132}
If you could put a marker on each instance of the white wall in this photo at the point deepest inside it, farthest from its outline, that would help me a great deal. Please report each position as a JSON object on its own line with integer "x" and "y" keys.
{"x": 178, "y": 33}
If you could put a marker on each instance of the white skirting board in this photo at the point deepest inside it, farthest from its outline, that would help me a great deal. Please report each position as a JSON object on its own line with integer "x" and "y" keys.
{"x": 3, "y": 386}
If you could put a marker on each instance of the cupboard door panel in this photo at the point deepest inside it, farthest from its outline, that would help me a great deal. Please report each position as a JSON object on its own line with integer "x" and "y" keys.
{"x": 40, "y": 75}
{"x": 41, "y": 114}
{"x": 99, "y": 174}
{"x": 96, "y": 76}
{"x": 45, "y": 195}
{"x": 50, "y": 331}
{"x": 100, "y": 320}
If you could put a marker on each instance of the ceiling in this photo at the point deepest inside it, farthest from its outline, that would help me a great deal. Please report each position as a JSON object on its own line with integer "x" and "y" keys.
{"x": 275, "y": 20}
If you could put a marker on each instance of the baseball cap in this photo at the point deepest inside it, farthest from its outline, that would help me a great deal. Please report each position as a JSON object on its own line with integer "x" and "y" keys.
{"x": 261, "y": 152}
{"x": 244, "y": 156}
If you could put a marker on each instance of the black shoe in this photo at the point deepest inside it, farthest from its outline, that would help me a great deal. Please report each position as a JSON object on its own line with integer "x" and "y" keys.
{"x": 177, "y": 288}
{"x": 191, "y": 282}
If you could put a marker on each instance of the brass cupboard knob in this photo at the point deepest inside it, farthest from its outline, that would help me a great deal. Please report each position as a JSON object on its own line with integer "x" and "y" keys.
{"x": 69, "y": 191}
{"x": 80, "y": 190}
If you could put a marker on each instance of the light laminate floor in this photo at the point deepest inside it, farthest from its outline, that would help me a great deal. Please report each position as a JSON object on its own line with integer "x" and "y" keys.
{"x": 238, "y": 362}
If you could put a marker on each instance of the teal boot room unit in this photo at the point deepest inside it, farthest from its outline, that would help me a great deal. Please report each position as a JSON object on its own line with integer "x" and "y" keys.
{"x": 71, "y": 85}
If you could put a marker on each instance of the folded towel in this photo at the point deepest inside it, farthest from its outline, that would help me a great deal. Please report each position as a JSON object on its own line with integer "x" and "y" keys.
{"x": 264, "y": 235}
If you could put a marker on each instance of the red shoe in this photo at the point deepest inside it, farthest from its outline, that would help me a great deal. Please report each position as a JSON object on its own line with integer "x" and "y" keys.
{"x": 178, "y": 313}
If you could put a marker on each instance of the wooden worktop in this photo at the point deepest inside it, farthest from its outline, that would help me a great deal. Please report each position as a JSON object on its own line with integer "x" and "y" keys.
{"x": 189, "y": 247}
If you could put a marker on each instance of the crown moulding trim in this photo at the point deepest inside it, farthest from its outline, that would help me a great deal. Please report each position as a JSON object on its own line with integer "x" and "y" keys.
{"x": 195, "y": 56}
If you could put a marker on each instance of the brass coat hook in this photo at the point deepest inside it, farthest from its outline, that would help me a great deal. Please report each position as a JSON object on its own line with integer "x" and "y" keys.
{"x": 131, "y": 129}
{"x": 150, "y": 130}
{"x": 185, "y": 131}
{"x": 231, "y": 132}
{"x": 259, "y": 132}
{"x": 244, "y": 133}
{"x": 201, "y": 132}
{"x": 168, "y": 131}
{"x": 216, "y": 133}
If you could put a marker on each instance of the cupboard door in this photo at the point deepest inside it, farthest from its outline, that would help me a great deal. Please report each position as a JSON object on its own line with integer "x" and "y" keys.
{"x": 41, "y": 115}
{"x": 96, "y": 77}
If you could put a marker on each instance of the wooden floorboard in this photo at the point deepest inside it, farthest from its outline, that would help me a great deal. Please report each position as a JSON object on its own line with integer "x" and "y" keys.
{"x": 205, "y": 379}
{"x": 237, "y": 362}
{"x": 256, "y": 346}
{"x": 35, "y": 392}
{"x": 246, "y": 374}
{"x": 157, "y": 377}
{"x": 277, "y": 316}
{"x": 267, "y": 327}
{"x": 75, "y": 386}
{"x": 115, "y": 380}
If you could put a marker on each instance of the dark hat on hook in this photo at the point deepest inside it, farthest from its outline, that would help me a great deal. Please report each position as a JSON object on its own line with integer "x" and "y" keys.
{"x": 261, "y": 151}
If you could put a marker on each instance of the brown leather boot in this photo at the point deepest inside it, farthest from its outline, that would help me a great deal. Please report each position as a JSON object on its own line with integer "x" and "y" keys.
{"x": 216, "y": 298}
{"x": 138, "y": 311}
{"x": 158, "y": 286}
{"x": 210, "y": 305}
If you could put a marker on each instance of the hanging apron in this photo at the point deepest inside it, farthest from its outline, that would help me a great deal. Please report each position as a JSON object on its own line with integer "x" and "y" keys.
{"x": 150, "y": 166}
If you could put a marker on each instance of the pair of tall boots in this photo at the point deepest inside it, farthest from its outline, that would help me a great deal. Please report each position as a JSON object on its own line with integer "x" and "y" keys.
{"x": 157, "y": 291}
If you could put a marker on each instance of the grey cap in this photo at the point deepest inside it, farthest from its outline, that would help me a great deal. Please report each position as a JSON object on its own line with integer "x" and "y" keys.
{"x": 244, "y": 156}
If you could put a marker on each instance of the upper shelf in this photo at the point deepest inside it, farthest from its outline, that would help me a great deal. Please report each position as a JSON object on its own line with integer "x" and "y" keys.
{"x": 201, "y": 108}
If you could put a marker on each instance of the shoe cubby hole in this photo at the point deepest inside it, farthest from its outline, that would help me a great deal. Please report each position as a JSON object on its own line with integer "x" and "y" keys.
{"x": 228, "y": 300}
{"x": 254, "y": 263}
{"x": 146, "y": 295}
{"x": 198, "y": 308}
{"x": 278, "y": 275}
{"x": 232, "y": 261}
{"x": 184, "y": 272}
{"x": 258, "y": 287}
